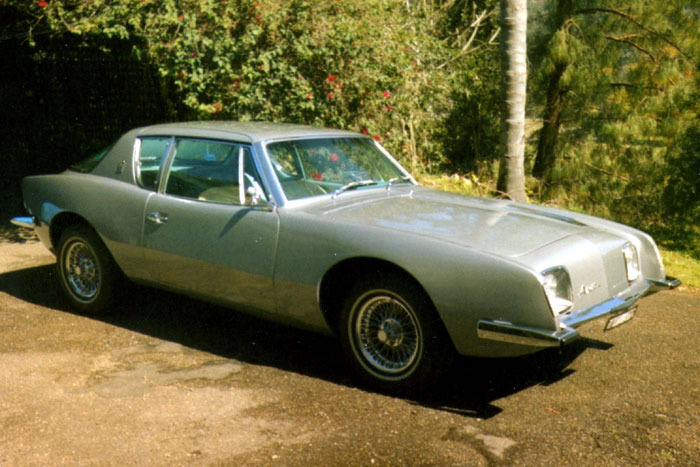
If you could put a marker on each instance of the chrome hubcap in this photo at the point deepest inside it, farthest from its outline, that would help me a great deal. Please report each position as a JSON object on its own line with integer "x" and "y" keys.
{"x": 390, "y": 333}
{"x": 81, "y": 270}
{"x": 387, "y": 334}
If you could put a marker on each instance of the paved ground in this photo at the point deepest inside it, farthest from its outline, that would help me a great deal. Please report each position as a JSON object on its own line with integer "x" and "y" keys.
{"x": 170, "y": 381}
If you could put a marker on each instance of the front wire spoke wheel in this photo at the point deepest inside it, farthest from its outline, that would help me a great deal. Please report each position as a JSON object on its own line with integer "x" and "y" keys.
{"x": 391, "y": 334}
{"x": 387, "y": 334}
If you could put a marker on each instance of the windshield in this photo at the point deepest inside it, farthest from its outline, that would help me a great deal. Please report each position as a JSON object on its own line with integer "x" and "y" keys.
{"x": 311, "y": 167}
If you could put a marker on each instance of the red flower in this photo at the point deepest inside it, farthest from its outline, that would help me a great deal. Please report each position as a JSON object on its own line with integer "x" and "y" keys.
{"x": 181, "y": 16}
{"x": 389, "y": 108}
{"x": 261, "y": 67}
{"x": 224, "y": 3}
{"x": 317, "y": 176}
{"x": 338, "y": 85}
{"x": 364, "y": 130}
{"x": 377, "y": 137}
{"x": 42, "y": 4}
{"x": 310, "y": 95}
{"x": 217, "y": 107}
{"x": 330, "y": 78}
{"x": 387, "y": 94}
{"x": 236, "y": 83}
{"x": 255, "y": 4}
{"x": 331, "y": 95}
{"x": 333, "y": 157}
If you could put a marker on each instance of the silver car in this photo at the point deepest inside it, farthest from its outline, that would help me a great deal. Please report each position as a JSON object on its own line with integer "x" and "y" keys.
{"x": 323, "y": 230}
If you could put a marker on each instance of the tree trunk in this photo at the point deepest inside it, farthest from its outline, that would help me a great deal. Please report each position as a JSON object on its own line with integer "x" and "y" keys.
{"x": 551, "y": 122}
{"x": 511, "y": 176}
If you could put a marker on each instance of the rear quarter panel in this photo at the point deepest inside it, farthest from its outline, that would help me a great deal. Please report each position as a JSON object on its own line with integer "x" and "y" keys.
{"x": 115, "y": 210}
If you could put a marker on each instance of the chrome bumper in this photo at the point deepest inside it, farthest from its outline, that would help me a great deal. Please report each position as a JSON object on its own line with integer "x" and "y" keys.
{"x": 502, "y": 331}
{"x": 27, "y": 222}
{"x": 665, "y": 284}
{"x": 506, "y": 332}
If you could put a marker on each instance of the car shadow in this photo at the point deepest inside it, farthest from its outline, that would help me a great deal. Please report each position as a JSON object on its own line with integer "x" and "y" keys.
{"x": 474, "y": 384}
{"x": 471, "y": 389}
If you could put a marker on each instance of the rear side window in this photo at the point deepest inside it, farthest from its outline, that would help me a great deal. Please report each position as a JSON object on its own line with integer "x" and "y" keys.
{"x": 151, "y": 154}
{"x": 89, "y": 164}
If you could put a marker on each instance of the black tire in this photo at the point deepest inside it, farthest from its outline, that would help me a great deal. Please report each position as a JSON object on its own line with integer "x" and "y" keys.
{"x": 392, "y": 336}
{"x": 87, "y": 273}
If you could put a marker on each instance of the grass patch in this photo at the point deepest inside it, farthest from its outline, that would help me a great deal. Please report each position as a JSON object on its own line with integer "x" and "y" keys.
{"x": 465, "y": 185}
{"x": 684, "y": 267}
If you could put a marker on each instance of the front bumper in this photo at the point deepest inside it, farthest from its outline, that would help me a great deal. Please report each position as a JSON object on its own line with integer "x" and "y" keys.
{"x": 514, "y": 334}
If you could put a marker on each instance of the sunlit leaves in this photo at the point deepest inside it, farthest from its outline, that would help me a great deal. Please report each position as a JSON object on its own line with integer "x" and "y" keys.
{"x": 263, "y": 60}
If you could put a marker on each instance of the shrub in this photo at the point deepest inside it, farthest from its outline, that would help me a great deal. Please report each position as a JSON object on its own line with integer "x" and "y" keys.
{"x": 384, "y": 68}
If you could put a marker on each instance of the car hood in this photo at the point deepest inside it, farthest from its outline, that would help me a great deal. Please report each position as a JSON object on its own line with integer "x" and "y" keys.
{"x": 497, "y": 227}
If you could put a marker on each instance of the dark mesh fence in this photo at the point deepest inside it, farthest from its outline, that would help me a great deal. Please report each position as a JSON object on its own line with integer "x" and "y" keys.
{"x": 61, "y": 100}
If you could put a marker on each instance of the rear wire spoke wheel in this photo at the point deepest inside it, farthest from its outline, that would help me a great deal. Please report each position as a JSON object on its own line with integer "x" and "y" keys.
{"x": 86, "y": 270}
{"x": 392, "y": 336}
{"x": 81, "y": 270}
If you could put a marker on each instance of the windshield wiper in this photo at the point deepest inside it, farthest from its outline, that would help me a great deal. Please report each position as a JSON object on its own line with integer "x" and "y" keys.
{"x": 402, "y": 178}
{"x": 353, "y": 185}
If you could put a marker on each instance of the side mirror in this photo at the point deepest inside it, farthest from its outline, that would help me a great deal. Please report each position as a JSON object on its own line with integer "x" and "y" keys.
{"x": 256, "y": 197}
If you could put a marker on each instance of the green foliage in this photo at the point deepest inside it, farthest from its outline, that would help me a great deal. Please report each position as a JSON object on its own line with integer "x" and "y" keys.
{"x": 628, "y": 94}
{"x": 385, "y": 68}
{"x": 681, "y": 196}
{"x": 423, "y": 77}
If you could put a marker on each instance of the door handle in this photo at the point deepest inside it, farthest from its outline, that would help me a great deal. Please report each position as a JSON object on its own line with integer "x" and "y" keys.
{"x": 157, "y": 217}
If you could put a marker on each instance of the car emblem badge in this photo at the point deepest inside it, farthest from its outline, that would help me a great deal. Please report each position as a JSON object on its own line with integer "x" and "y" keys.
{"x": 586, "y": 289}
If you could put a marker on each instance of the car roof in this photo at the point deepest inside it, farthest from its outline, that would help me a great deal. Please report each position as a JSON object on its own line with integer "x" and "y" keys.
{"x": 251, "y": 132}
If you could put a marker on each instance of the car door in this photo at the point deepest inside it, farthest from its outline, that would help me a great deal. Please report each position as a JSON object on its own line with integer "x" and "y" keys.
{"x": 203, "y": 235}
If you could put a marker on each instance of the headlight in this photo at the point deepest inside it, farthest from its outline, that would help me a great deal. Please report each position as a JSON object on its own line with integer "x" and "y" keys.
{"x": 629, "y": 251}
{"x": 557, "y": 287}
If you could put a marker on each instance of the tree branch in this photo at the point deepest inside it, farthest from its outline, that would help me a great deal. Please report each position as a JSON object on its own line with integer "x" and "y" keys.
{"x": 632, "y": 20}
{"x": 606, "y": 172}
{"x": 624, "y": 40}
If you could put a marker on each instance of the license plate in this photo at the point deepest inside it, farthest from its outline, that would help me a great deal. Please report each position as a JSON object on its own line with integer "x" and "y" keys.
{"x": 620, "y": 319}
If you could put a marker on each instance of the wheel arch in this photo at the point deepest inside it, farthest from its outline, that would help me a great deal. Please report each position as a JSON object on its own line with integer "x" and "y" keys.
{"x": 338, "y": 280}
{"x": 61, "y": 222}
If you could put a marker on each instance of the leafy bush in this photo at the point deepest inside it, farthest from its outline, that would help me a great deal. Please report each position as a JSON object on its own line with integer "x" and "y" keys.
{"x": 385, "y": 68}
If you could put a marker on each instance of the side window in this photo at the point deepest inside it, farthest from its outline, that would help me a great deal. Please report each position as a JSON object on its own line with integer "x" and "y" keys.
{"x": 209, "y": 171}
{"x": 151, "y": 153}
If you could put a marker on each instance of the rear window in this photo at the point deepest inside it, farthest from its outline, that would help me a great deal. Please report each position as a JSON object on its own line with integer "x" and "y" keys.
{"x": 87, "y": 165}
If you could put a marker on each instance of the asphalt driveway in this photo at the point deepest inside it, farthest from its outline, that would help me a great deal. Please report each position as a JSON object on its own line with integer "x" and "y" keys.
{"x": 170, "y": 381}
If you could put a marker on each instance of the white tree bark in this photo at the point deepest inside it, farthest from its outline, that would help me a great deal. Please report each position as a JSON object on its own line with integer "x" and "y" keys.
{"x": 511, "y": 177}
